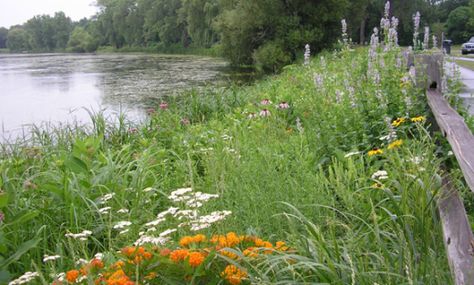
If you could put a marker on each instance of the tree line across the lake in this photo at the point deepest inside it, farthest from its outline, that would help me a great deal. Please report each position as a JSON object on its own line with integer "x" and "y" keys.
{"x": 268, "y": 32}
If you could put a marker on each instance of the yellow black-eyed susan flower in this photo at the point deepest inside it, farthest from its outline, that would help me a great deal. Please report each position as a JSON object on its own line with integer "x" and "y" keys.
{"x": 418, "y": 119}
{"x": 398, "y": 122}
{"x": 375, "y": 151}
{"x": 395, "y": 144}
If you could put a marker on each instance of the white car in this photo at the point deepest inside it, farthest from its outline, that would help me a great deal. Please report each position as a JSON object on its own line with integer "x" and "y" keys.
{"x": 468, "y": 47}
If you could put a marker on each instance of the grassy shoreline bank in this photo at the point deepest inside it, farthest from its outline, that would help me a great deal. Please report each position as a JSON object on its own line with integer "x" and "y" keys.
{"x": 333, "y": 157}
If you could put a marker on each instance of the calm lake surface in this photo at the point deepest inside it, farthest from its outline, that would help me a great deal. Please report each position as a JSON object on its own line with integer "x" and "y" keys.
{"x": 58, "y": 88}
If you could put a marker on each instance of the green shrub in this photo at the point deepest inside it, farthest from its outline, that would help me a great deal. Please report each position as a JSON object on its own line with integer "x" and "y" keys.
{"x": 271, "y": 57}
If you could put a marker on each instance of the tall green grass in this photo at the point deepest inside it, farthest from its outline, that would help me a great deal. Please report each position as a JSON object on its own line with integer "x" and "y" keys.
{"x": 283, "y": 176}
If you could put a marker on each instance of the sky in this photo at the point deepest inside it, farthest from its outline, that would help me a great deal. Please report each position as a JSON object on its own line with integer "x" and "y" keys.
{"x": 14, "y": 12}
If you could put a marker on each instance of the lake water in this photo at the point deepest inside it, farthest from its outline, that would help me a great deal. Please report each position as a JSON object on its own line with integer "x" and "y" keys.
{"x": 58, "y": 88}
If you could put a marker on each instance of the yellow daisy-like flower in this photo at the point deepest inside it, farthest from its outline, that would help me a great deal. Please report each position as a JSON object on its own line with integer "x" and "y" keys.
{"x": 375, "y": 151}
{"x": 418, "y": 119}
{"x": 395, "y": 144}
{"x": 398, "y": 122}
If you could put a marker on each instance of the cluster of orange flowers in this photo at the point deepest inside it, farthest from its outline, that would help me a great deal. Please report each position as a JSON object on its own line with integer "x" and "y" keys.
{"x": 233, "y": 274}
{"x": 193, "y": 251}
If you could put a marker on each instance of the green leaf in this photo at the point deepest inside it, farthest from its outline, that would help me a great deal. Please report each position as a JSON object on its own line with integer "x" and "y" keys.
{"x": 20, "y": 219}
{"x": 3, "y": 200}
{"x": 24, "y": 247}
{"x": 76, "y": 165}
{"x": 4, "y": 276}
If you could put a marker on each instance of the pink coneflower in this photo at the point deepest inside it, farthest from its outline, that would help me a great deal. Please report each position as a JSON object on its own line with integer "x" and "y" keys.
{"x": 133, "y": 130}
{"x": 163, "y": 106}
{"x": 265, "y": 113}
{"x": 150, "y": 111}
{"x": 283, "y": 105}
{"x": 185, "y": 121}
{"x": 265, "y": 102}
{"x": 252, "y": 115}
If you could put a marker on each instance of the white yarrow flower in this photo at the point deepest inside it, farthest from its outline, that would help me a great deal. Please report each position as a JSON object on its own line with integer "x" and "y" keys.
{"x": 25, "y": 278}
{"x": 352, "y": 154}
{"x": 167, "y": 232}
{"x": 122, "y": 211}
{"x": 47, "y": 258}
{"x": 106, "y": 198}
{"x": 105, "y": 210}
{"x": 155, "y": 222}
{"x": 380, "y": 175}
{"x": 153, "y": 240}
{"x": 81, "y": 236}
{"x": 121, "y": 225}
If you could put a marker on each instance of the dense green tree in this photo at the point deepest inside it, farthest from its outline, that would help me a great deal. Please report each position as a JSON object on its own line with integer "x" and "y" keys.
{"x": 81, "y": 41}
{"x": 18, "y": 39}
{"x": 247, "y": 25}
{"x": 3, "y": 37}
{"x": 457, "y": 25}
{"x": 199, "y": 16}
{"x": 62, "y": 28}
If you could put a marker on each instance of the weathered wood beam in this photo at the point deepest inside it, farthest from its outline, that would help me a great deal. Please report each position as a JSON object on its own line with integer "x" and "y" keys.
{"x": 457, "y": 133}
{"x": 457, "y": 233}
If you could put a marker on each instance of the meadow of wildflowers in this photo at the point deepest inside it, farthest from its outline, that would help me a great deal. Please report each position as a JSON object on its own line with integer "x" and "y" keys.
{"x": 324, "y": 174}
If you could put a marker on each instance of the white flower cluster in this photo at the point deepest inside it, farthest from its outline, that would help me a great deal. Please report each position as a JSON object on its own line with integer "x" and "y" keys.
{"x": 106, "y": 198}
{"x": 192, "y": 200}
{"x": 307, "y": 54}
{"x": 25, "y": 278}
{"x": 426, "y": 38}
{"x": 179, "y": 195}
{"x": 123, "y": 226}
{"x": 206, "y": 221}
{"x": 380, "y": 175}
{"x": 81, "y": 236}
{"x": 345, "y": 39}
{"x": 104, "y": 210}
{"x": 352, "y": 154}
{"x": 47, "y": 258}
{"x": 122, "y": 211}
{"x": 416, "y": 26}
{"x": 60, "y": 276}
{"x": 190, "y": 215}
{"x": 144, "y": 239}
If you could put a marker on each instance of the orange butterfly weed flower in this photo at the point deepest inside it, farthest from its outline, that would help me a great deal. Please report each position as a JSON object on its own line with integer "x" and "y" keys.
{"x": 71, "y": 275}
{"x": 233, "y": 274}
{"x": 196, "y": 259}
{"x": 179, "y": 255}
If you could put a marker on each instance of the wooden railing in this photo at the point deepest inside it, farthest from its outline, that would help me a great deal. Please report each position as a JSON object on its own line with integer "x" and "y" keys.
{"x": 457, "y": 232}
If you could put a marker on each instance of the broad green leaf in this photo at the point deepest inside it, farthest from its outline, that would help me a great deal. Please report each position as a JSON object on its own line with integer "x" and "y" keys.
{"x": 76, "y": 165}
{"x": 4, "y": 276}
{"x": 20, "y": 219}
{"x": 3, "y": 200}
{"x": 22, "y": 249}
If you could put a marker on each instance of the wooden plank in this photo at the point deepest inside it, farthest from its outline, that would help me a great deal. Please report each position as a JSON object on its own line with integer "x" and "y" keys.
{"x": 457, "y": 133}
{"x": 458, "y": 237}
